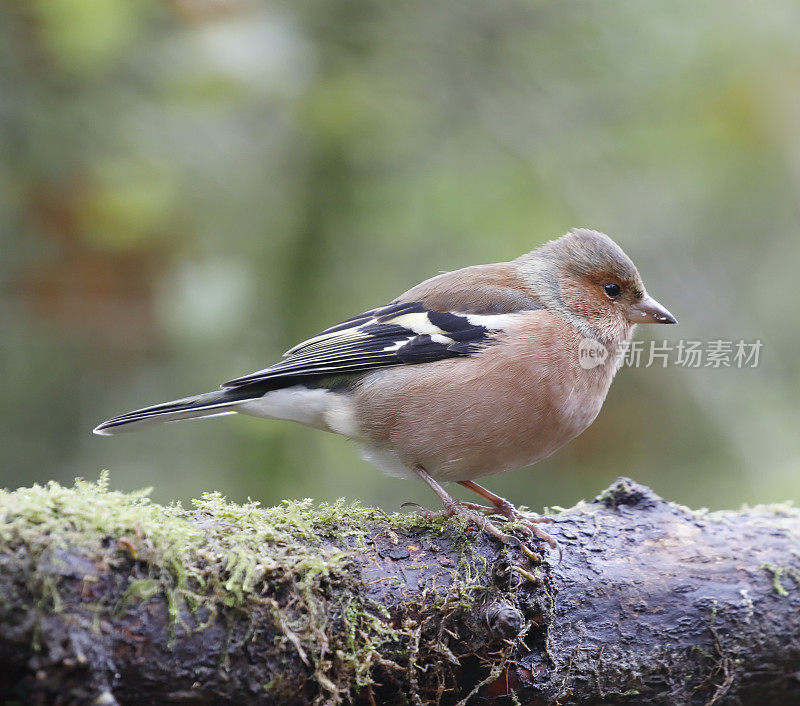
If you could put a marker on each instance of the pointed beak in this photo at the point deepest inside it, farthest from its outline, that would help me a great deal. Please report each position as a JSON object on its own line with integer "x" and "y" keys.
{"x": 649, "y": 311}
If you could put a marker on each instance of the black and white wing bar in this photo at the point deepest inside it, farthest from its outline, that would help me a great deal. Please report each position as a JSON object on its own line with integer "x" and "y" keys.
{"x": 392, "y": 335}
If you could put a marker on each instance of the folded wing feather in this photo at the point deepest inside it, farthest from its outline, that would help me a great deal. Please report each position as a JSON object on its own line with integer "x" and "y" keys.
{"x": 396, "y": 334}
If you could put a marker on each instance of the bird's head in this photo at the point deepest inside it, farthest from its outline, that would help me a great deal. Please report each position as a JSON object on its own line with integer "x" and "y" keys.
{"x": 585, "y": 277}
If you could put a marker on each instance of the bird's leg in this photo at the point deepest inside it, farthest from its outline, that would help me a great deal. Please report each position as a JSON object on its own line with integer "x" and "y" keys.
{"x": 453, "y": 507}
{"x": 503, "y": 507}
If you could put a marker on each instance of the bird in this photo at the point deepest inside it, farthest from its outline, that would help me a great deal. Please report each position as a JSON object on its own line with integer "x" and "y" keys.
{"x": 471, "y": 373}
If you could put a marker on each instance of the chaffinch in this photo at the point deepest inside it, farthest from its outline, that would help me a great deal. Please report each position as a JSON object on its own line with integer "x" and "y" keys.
{"x": 468, "y": 374}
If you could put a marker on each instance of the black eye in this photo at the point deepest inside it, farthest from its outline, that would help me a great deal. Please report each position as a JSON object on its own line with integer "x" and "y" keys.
{"x": 612, "y": 289}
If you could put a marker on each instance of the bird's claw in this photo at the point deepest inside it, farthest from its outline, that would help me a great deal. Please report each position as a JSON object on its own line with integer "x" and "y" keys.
{"x": 529, "y": 525}
{"x": 478, "y": 514}
{"x": 467, "y": 512}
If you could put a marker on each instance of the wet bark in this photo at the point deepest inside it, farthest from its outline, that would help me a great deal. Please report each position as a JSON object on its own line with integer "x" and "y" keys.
{"x": 652, "y": 603}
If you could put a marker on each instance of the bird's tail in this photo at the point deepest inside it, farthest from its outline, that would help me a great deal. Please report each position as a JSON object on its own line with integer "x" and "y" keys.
{"x": 210, "y": 404}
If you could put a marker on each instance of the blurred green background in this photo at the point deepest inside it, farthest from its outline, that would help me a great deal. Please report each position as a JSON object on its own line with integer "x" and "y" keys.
{"x": 189, "y": 187}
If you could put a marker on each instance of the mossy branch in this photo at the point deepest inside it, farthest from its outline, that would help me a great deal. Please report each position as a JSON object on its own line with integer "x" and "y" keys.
{"x": 108, "y": 598}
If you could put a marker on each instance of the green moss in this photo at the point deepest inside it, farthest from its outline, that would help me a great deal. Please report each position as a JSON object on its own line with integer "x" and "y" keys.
{"x": 217, "y": 556}
{"x": 139, "y": 591}
{"x": 181, "y": 544}
{"x": 777, "y": 573}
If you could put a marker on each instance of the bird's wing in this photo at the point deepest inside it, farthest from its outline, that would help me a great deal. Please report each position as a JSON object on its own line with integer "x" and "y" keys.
{"x": 397, "y": 334}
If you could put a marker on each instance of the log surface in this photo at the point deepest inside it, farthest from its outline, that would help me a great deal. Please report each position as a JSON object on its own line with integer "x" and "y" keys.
{"x": 652, "y": 603}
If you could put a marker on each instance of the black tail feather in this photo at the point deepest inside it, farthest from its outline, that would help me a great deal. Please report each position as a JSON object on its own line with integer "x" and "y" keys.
{"x": 205, "y": 405}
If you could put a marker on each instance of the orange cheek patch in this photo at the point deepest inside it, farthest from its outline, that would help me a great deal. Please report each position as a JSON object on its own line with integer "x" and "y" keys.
{"x": 585, "y": 298}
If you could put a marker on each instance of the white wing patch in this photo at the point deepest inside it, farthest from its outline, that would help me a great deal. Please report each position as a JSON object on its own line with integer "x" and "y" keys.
{"x": 418, "y": 323}
{"x": 494, "y": 322}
